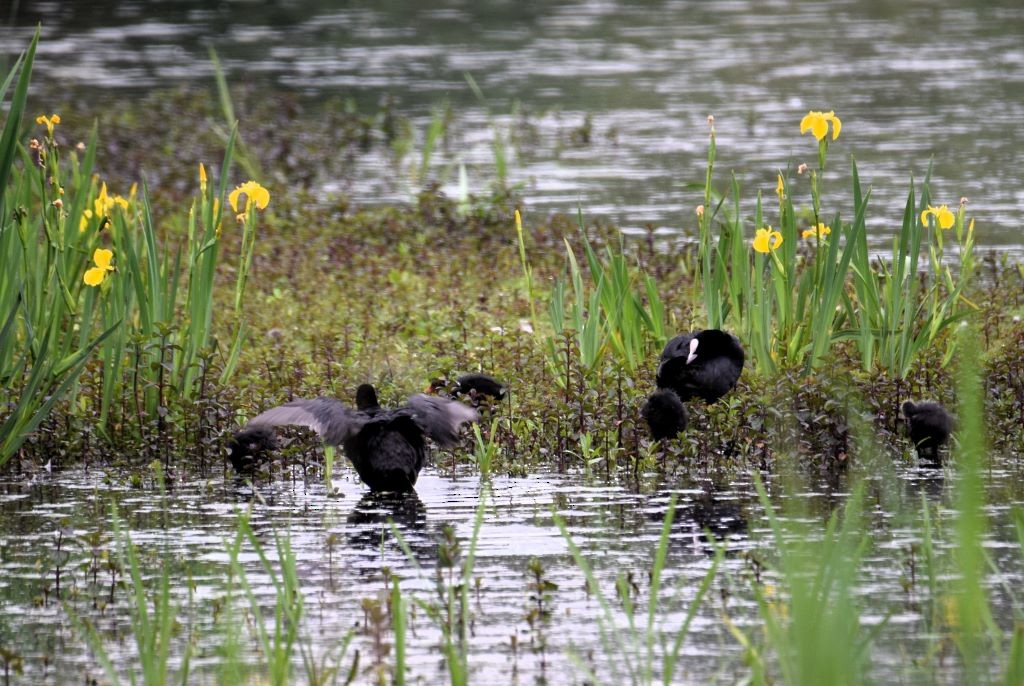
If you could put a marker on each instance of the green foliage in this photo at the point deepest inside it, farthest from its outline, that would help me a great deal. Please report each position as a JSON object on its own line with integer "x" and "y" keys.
{"x": 793, "y": 303}
{"x": 897, "y": 317}
{"x": 84, "y": 271}
{"x": 154, "y": 620}
{"x": 812, "y": 628}
{"x": 632, "y": 653}
{"x": 619, "y": 312}
{"x": 41, "y": 356}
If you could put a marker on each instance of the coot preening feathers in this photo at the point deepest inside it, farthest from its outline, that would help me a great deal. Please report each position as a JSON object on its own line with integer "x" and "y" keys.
{"x": 474, "y": 386}
{"x": 386, "y": 446}
{"x": 665, "y": 413}
{"x": 705, "y": 364}
{"x": 929, "y": 425}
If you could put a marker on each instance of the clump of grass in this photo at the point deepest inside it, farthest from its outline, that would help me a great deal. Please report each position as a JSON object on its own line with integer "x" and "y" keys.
{"x": 154, "y": 619}
{"x": 84, "y": 272}
{"x": 279, "y": 643}
{"x": 637, "y": 652}
{"x": 812, "y": 627}
{"x": 794, "y": 303}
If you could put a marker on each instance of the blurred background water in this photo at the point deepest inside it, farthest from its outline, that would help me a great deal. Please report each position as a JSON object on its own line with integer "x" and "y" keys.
{"x": 619, "y": 91}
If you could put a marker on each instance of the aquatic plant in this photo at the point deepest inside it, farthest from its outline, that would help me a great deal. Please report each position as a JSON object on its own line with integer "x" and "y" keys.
{"x": 41, "y": 355}
{"x": 636, "y": 652}
{"x": 794, "y": 303}
{"x": 451, "y": 611}
{"x": 812, "y": 628}
{"x": 621, "y": 313}
{"x": 153, "y": 620}
{"x": 84, "y": 271}
{"x": 278, "y": 644}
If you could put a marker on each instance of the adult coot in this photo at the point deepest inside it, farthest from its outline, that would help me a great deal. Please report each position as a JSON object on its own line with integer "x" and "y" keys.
{"x": 705, "y": 364}
{"x": 929, "y": 425}
{"x": 665, "y": 413}
{"x": 386, "y": 446}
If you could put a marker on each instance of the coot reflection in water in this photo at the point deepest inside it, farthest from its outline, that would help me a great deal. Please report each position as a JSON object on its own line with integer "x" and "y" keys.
{"x": 369, "y": 522}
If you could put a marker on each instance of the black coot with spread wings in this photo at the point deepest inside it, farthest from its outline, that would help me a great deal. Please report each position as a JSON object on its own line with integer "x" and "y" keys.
{"x": 929, "y": 425}
{"x": 386, "y": 446}
{"x": 705, "y": 364}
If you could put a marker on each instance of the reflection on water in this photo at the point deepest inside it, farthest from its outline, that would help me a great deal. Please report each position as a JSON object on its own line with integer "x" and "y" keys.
{"x": 648, "y": 73}
{"x": 55, "y": 531}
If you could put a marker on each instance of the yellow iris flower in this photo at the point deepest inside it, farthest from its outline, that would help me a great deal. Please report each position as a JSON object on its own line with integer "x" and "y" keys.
{"x": 105, "y": 203}
{"x": 820, "y": 231}
{"x": 83, "y": 223}
{"x": 817, "y": 123}
{"x": 253, "y": 192}
{"x": 943, "y": 216}
{"x": 50, "y": 122}
{"x": 95, "y": 275}
{"x": 766, "y": 240}
{"x": 780, "y": 188}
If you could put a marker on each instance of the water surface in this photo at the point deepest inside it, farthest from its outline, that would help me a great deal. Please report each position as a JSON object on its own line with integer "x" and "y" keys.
{"x": 912, "y": 81}
{"x": 346, "y": 552}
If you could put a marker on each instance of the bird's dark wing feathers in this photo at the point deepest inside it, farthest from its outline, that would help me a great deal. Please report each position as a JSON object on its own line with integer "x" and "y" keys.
{"x": 334, "y": 422}
{"x": 719, "y": 374}
{"x": 441, "y": 419}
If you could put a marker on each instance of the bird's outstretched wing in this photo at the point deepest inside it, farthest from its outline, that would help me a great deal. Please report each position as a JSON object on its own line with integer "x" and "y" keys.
{"x": 334, "y": 422}
{"x": 441, "y": 419}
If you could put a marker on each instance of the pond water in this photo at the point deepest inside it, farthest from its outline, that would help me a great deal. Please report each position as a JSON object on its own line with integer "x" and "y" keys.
{"x": 345, "y": 552}
{"x": 912, "y": 81}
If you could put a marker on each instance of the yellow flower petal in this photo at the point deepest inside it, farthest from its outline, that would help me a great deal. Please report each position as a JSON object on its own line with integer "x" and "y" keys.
{"x": 761, "y": 240}
{"x": 946, "y": 217}
{"x": 817, "y": 123}
{"x": 233, "y": 198}
{"x": 50, "y": 122}
{"x": 943, "y": 216}
{"x": 820, "y": 231}
{"x": 806, "y": 122}
{"x": 780, "y": 188}
{"x": 254, "y": 193}
{"x": 102, "y": 258}
{"x": 820, "y": 128}
{"x": 261, "y": 196}
{"x": 766, "y": 240}
{"x": 83, "y": 223}
{"x": 94, "y": 276}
